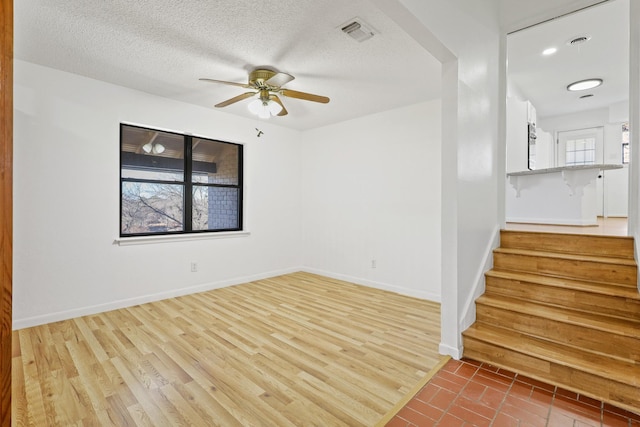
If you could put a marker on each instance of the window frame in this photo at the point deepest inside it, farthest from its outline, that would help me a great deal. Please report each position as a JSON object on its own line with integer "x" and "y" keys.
{"x": 187, "y": 183}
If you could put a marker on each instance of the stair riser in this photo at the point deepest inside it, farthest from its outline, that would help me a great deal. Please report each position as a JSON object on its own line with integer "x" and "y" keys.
{"x": 575, "y": 244}
{"x": 622, "y": 395}
{"x": 579, "y": 300}
{"x": 583, "y": 338}
{"x": 576, "y": 269}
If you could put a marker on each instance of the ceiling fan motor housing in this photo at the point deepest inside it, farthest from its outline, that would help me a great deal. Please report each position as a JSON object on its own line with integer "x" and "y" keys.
{"x": 258, "y": 77}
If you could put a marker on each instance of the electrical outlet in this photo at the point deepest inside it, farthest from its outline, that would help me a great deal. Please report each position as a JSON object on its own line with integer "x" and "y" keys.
{"x": 194, "y": 267}
{"x": 374, "y": 263}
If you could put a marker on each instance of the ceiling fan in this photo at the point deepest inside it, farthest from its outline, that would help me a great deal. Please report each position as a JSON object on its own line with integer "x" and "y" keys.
{"x": 268, "y": 85}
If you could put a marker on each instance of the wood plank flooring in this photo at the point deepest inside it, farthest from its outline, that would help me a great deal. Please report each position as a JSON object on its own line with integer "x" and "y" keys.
{"x": 294, "y": 350}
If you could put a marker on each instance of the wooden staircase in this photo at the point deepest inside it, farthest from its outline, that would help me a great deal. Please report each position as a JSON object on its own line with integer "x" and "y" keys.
{"x": 564, "y": 309}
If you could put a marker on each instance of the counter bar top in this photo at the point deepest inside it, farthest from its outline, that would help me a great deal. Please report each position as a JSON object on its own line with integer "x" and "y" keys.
{"x": 566, "y": 168}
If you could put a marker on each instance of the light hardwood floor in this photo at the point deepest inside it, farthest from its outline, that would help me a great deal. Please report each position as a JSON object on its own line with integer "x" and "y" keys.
{"x": 293, "y": 350}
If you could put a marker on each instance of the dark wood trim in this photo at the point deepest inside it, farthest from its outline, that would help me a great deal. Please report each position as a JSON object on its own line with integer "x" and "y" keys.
{"x": 6, "y": 206}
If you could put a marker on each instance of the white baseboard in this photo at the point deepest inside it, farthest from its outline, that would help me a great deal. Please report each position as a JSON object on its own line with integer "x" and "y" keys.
{"x": 377, "y": 285}
{"x": 143, "y": 299}
{"x": 469, "y": 310}
{"x": 447, "y": 350}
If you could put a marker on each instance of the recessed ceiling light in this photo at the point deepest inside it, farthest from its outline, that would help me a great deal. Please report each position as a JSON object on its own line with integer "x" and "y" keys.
{"x": 549, "y": 51}
{"x": 584, "y": 84}
{"x": 589, "y": 95}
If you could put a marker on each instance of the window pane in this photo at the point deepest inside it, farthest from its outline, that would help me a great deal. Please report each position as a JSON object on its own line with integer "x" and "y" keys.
{"x": 152, "y": 154}
{"x": 215, "y": 208}
{"x": 151, "y": 208}
{"x": 215, "y": 162}
{"x": 571, "y": 158}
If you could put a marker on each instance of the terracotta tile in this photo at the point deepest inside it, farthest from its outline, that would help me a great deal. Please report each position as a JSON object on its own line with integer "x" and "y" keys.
{"x": 469, "y": 416}
{"x": 590, "y": 401}
{"x": 489, "y": 367}
{"x": 529, "y": 407}
{"x": 507, "y": 373}
{"x": 461, "y": 381}
{"x": 614, "y": 420}
{"x": 567, "y": 393}
{"x": 452, "y": 365}
{"x": 569, "y": 405}
{"x": 521, "y": 413}
{"x": 466, "y": 370}
{"x": 504, "y": 420}
{"x": 443, "y": 399}
{"x": 478, "y": 408}
{"x": 493, "y": 398}
{"x": 489, "y": 382}
{"x": 620, "y": 411}
{"x": 535, "y": 383}
{"x": 521, "y": 390}
{"x": 471, "y": 361}
{"x": 446, "y": 384}
{"x": 585, "y": 424}
{"x": 533, "y": 423}
{"x": 428, "y": 392}
{"x": 496, "y": 376}
{"x": 397, "y": 422}
{"x": 414, "y": 417}
{"x": 474, "y": 391}
{"x": 635, "y": 423}
{"x": 425, "y": 409}
{"x": 541, "y": 397}
{"x": 557, "y": 419}
{"x": 450, "y": 421}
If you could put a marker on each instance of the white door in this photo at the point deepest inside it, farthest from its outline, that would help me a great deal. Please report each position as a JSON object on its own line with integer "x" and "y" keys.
{"x": 583, "y": 147}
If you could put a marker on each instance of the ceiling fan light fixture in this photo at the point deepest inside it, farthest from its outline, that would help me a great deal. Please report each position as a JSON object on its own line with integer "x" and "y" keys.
{"x": 584, "y": 84}
{"x": 274, "y": 108}
{"x": 264, "y": 108}
{"x": 158, "y": 149}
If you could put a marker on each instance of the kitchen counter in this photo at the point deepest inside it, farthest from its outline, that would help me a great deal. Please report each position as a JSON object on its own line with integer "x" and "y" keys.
{"x": 564, "y": 195}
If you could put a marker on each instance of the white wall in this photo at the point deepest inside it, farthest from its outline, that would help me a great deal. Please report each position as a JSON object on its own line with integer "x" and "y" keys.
{"x": 66, "y": 203}
{"x": 465, "y": 36}
{"x": 371, "y": 191}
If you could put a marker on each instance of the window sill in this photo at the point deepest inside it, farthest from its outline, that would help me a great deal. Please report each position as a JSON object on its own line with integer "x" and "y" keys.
{"x": 147, "y": 240}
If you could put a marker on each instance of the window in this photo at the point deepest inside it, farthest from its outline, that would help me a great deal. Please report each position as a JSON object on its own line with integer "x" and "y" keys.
{"x": 581, "y": 151}
{"x": 173, "y": 184}
{"x": 625, "y": 143}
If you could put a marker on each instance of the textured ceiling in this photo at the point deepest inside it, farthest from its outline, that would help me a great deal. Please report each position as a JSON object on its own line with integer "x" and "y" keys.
{"x": 543, "y": 80}
{"x": 163, "y": 46}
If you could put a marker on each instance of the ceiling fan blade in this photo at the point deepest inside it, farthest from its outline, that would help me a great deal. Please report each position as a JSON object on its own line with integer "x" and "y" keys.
{"x": 244, "y": 85}
{"x": 303, "y": 95}
{"x": 236, "y": 99}
{"x": 279, "y": 79}
{"x": 284, "y": 111}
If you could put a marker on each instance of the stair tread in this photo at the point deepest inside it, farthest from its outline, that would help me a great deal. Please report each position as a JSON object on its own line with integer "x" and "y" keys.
{"x": 613, "y": 246}
{"x": 621, "y": 371}
{"x": 570, "y": 256}
{"x": 613, "y": 325}
{"x": 623, "y": 291}
{"x": 554, "y": 233}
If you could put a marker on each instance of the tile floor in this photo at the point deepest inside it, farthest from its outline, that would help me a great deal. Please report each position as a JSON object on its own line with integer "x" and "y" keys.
{"x": 468, "y": 393}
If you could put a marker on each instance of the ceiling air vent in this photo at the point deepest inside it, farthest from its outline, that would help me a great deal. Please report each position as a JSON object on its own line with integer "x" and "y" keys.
{"x": 357, "y": 29}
